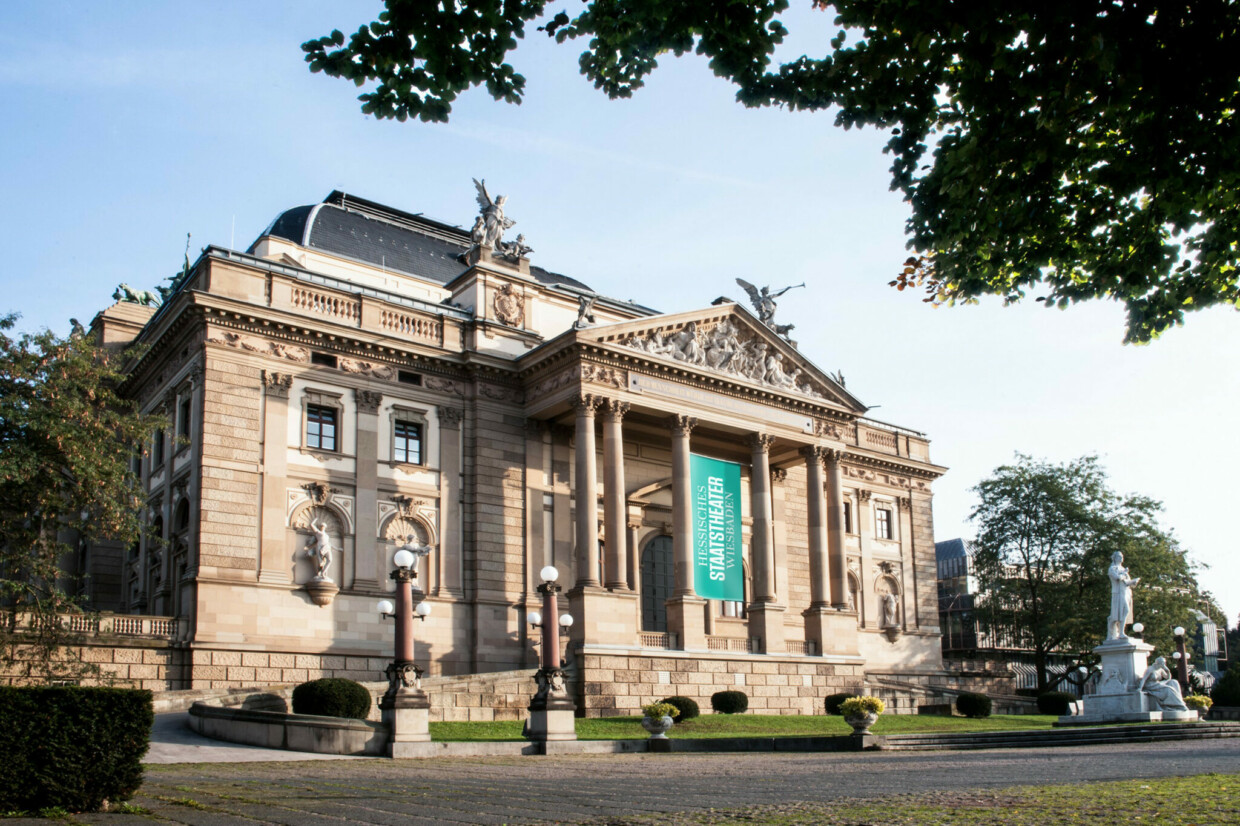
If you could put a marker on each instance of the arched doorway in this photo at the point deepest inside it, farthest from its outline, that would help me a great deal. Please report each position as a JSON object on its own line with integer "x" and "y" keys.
{"x": 658, "y": 581}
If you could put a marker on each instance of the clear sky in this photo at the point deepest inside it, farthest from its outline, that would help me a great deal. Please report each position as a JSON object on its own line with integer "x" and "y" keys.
{"x": 127, "y": 125}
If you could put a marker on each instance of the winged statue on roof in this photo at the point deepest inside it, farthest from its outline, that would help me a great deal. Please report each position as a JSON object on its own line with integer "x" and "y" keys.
{"x": 764, "y": 302}
{"x": 489, "y": 229}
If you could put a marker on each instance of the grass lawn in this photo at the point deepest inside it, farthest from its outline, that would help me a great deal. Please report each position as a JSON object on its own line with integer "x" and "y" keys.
{"x": 1203, "y": 799}
{"x": 748, "y": 725}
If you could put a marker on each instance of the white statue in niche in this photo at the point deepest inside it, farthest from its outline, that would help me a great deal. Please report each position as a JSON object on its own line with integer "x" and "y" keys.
{"x": 891, "y": 611}
{"x": 1158, "y": 683}
{"x": 1121, "y": 598}
{"x": 319, "y": 549}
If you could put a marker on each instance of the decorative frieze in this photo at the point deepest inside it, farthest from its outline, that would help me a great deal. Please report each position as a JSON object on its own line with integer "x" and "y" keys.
{"x": 260, "y": 345}
{"x": 509, "y": 306}
{"x": 726, "y": 349}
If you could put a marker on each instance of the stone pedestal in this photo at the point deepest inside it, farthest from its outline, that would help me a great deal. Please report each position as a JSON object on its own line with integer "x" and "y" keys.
{"x": 552, "y": 713}
{"x": 687, "y": 620}
{"x": 833, "y": 632}
{"x": 1124, "y": 661}
{"x": 406, "y": 713}
{"x": 766, "y": 622}
{"x": 604, "y": 617}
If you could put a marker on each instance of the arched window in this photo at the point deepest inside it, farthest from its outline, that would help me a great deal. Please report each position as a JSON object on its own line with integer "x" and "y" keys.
{"x": 658, "y": 582}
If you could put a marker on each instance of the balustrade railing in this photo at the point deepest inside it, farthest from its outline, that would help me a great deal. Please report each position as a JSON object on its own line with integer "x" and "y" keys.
{"x": 651, "y": 639}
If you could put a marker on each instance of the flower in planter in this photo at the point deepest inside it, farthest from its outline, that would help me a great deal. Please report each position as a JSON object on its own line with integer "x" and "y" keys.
{"x": 861, "y": 706}
{"x": 1199, "y": 702}
{"x": 657, "y": 710}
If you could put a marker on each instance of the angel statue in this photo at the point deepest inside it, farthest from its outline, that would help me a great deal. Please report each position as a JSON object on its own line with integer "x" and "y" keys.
{"x": 764, "y": 300}
{"x": 489, "y": 229}
{"x": 585, "y": 311}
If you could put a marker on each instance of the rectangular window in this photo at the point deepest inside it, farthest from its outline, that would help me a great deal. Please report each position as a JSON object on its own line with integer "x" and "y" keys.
{"x": 407, "y": 443}
{"x": 848, "y": 517}
{"x": 183, "y": 418}
{"x": 883, "y": 517}
{"x": 320, "y": 427}
{"x": 157, "y": 452}
{"x": 323, "y": 359}
{"x": 406, "y": 377}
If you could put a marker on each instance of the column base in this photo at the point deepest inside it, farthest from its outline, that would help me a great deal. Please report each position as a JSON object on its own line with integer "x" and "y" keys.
{"x": 766, "y": 622}
{"x": 406, "y": 713}
{"x": 552, "y": 717}
{"x": 834, "y": 632}
{"x": 686, "y": 618}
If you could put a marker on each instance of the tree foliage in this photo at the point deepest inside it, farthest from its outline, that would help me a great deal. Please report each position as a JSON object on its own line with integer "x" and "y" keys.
{"x": 66, "y": 441}
{"x": 1080, "y": 148}
{"x": 1046, "y": 533}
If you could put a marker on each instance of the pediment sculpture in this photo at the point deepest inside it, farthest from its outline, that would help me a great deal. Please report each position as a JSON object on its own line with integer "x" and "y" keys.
{"x": 729, "y": 350}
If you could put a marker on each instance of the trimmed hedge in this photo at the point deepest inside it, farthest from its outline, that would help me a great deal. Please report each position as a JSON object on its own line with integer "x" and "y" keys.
{"x": 834, "y": 701}
{"x": 729, "y": 702}
{"x": 687, "y": 705}
{"x": 332, "y": 697}
{"x": 1226, "y": 691}
{"x": 1055, "y": 702}
{"x": 973, "y": 705}
{"x": 71, "y": 747}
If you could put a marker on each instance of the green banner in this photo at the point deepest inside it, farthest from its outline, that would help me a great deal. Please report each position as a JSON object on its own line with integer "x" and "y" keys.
{"x": 717, "y": 569}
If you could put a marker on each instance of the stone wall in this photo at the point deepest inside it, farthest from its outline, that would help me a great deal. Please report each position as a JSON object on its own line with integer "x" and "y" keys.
{"x": 620, "y": 684}
{"x": 155, "y": 665}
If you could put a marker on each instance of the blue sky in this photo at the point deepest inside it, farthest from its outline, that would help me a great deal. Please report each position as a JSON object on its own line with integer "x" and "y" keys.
{"x": 129, "y": 124}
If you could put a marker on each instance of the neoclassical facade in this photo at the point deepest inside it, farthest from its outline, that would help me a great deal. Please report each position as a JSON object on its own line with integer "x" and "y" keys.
{"x": 362, "y": 378}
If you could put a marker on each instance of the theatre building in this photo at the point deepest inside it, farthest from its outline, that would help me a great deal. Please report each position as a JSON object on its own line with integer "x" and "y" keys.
{"x": 721, "y": 512}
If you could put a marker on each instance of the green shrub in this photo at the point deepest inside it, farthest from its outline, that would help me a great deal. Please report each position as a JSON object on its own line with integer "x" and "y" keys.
{"x": 1227, "y": 690}
{"x": 1055, "y": 702}
{"x": 729, "y": 702}
{"x": 687, "y": 705}
{"x": 332, "y": 697}
{"x": 71, "y": 748}
{"x": 833, "y": 702}
{"x": 973, "y": 705}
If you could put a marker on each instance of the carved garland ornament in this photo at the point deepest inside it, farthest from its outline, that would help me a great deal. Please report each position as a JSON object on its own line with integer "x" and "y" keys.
{"x": 728, "y": 350}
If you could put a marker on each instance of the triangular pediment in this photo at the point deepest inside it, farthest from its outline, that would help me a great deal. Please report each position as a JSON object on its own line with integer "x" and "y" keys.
{"x": 726, "y": 340}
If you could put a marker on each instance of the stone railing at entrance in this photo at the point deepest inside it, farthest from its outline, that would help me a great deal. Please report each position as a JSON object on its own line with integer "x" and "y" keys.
{"x": 741, "y": 644}
{"x": 120, "y": 625}
{"x": 652, "y": 639}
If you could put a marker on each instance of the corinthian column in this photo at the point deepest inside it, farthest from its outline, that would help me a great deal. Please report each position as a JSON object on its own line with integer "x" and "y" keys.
{"x": 682, "y": 505}
{"x": 763, "y": 543}
{"x": 586, "y": 490}
{"x": 835, "y": 530}
{"x": 819, "y": 571}
{"x": 615, "y": 521}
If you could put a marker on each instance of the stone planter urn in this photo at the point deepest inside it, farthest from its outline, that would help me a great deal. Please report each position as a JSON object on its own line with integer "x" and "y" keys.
{"x": 861, "y": 723}
{"x": 657, "y": 726}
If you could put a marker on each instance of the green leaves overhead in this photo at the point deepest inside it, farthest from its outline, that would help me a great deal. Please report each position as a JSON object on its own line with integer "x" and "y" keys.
{"x": 1076, "y": 149}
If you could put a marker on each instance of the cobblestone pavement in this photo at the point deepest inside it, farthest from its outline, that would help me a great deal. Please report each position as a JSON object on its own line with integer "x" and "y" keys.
{"x": 579, "y": 789}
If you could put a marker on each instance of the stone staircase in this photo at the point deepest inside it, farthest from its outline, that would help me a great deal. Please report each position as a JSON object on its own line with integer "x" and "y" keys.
{"x": 903, "y": 696}
{"x": 1060, "y": 737}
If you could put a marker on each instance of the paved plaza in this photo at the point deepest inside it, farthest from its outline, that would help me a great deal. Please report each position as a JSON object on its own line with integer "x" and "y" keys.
{"x": 611, "y": 788}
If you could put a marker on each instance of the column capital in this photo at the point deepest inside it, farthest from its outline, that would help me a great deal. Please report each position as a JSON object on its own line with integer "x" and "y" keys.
{"x": 814, "y": 453}
{"x": 368, "y": 401}
{"x": 615, "y": 410}
{"x": 277, "y": 385}
{"x": 634, "y": 525}
{"x": 833, "y": 454}
{"x": 760, "y": 442}
{"x": 681, "y": 424}
{"x": 864, "y": 495}
{"x": 779, "y": 474}
{"x": 585, "y": 403}
{"x": 906, "y": 503}
{"x": 450, "y": 417}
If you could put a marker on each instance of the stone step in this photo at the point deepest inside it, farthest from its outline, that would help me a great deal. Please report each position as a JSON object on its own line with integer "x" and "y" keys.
{"x": 1067, "y": 737}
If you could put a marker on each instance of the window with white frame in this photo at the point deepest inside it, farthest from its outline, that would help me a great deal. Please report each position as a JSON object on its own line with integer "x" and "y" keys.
{"x": 322, "y": 427}
{"x": 883, "y": 525}
{"x": 407, "y": 442}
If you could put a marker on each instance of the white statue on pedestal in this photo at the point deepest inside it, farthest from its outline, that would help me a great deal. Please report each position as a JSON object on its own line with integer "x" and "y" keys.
{"x": 1158, "y": 683}
{"x": 1121, "y": 598}
{"x": 319, "y": 549}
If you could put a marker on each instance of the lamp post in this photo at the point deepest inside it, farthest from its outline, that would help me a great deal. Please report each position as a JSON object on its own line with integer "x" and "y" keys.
{"x": 1181, "y": 658}
{"x": 405, "y": 706}
{"x": 551, "y": 710}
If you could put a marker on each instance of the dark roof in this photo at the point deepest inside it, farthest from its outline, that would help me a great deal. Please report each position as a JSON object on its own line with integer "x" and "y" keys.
{"x": 381, "y": 236}
{"x": 950, "y": 549}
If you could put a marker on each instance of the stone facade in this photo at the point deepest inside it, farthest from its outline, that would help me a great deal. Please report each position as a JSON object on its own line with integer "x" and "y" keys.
{"x": 365, "y": 375}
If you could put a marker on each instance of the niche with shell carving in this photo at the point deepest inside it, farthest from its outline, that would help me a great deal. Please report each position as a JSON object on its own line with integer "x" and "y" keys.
{"x": 302, "y": 540}
{"x": 396, "y": 531}
{"x": 889, "y": 606}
